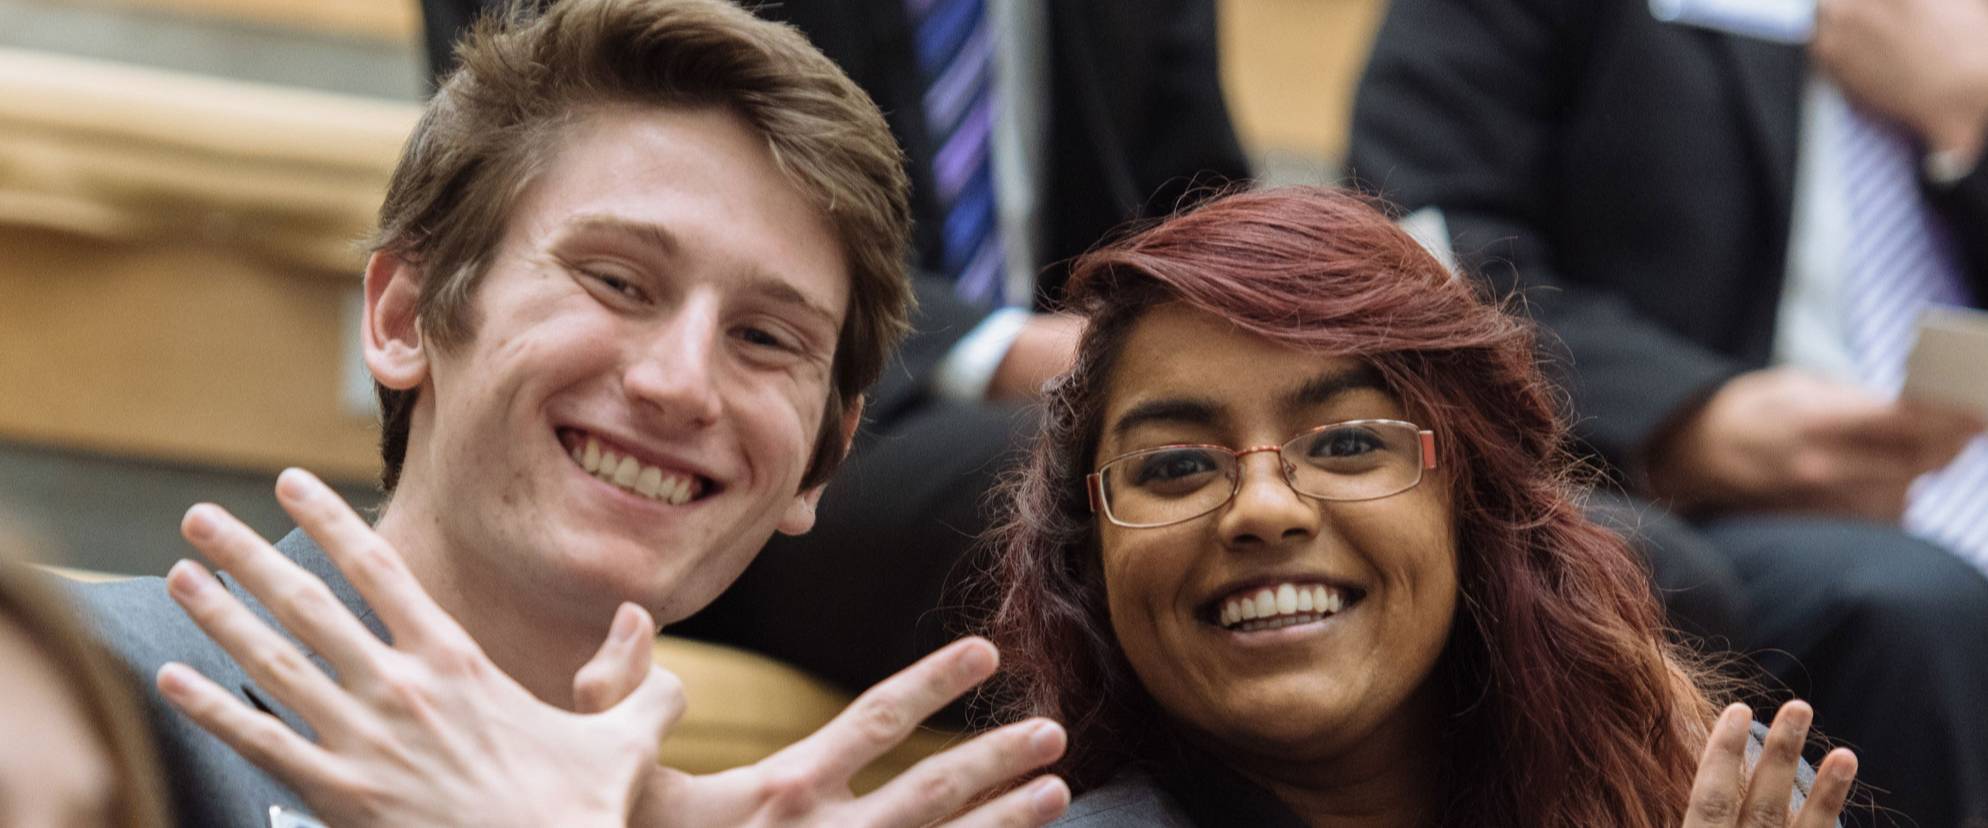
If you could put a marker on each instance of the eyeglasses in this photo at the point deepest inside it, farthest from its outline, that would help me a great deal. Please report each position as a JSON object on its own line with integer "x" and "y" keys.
{"x": 1347, "y": 461}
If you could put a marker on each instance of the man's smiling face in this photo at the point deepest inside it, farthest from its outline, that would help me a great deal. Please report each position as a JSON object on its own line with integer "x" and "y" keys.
{"x": 663, "y": 299}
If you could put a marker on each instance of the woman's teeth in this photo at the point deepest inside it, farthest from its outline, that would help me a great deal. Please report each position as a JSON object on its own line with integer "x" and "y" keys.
{"x": 1281, "y": 606}
{"x": 631, "y": 474}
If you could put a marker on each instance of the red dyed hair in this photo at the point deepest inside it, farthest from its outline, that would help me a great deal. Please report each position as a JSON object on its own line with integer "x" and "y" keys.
{"x": 1567, "y": 704}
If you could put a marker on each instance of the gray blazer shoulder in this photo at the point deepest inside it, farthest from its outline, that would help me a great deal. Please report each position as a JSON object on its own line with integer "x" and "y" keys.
{"x": 142, "y": 628}
{"x": 1131, "y": 798}
{"x": 1134, "y": 798}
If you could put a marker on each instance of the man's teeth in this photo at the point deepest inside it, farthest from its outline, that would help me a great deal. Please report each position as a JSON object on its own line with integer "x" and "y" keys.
{"x": 628, "y": 473}
{"x": 1282, "y": 606}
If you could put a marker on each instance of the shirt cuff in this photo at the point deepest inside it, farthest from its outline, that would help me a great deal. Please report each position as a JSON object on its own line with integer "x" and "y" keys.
{"x": 966, "y": 371}
{"x": 1945, "y": 168}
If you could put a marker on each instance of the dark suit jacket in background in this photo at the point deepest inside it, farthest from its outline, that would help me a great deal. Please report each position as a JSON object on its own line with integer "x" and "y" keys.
{"x": 1133, "y": 113}
{"x": 1634, "y": 180}
{"x": 141, "y": 626}
{"x": 1634, "y": 177}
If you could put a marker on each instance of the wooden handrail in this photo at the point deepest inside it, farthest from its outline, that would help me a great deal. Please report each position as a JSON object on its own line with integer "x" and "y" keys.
{"x": 115, "y": 152}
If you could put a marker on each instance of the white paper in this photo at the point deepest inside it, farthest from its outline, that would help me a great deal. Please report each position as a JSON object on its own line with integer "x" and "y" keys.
{"x": 1949, "y": 361}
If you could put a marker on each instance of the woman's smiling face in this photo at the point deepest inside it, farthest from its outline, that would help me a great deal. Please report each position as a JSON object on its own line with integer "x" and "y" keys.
{"x": 1379, "y": 576}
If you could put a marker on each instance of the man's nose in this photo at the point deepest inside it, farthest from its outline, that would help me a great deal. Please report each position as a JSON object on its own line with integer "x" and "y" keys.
{"x": 675, "y": 370}
{"x": 1266, "y": 511}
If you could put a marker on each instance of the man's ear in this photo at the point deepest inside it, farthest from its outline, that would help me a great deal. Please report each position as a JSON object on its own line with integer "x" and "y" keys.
{"x": 393, "y": 332}
{"x": 800, "y": 515}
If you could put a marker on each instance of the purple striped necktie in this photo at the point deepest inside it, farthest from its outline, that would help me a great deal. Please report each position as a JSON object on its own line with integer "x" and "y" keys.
{"x": 955, "y": 48}
{"x": 1901, "y": 261}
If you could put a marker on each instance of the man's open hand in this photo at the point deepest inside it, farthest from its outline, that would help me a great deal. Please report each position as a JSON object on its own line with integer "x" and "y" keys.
{"x": 426, "y": 731}
{"x": 808, "y": 782}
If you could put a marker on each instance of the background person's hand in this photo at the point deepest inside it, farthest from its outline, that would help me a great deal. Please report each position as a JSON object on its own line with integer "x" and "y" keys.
{"x": 808, "y": 782}
{"x": 1920, "y": 62}
{"x": 1782, "y": 439}
{"x": 1725, "y": 795}
{"x": 424, "y": 732}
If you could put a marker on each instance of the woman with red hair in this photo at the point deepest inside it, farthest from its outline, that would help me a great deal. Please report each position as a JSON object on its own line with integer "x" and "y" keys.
{"x": 1302, "y": 544}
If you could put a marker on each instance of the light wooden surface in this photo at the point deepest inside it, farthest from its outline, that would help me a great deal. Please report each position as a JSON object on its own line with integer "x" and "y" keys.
{"x": 179, "y": 256}
{"x": 1288, "y": 65}
{"x": 379, "y": 19}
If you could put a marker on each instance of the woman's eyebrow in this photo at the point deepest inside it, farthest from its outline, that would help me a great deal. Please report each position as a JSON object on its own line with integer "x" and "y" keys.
{"x": 1325, "y": 387}
{"x": 1168, "y": 409}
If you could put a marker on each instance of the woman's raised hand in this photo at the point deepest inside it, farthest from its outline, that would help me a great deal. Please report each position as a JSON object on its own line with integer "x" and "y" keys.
{"x": 1725, "y": 795}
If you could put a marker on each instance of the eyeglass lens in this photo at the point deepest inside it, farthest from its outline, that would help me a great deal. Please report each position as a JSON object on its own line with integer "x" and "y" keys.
{"x": 1360, "y": 460}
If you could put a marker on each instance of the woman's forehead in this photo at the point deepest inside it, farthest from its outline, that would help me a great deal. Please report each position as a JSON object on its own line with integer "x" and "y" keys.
{"x": 1188, "y": 366}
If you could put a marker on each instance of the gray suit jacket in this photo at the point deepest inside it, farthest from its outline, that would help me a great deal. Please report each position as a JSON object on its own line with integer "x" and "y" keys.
{"x": 139, "y": 624}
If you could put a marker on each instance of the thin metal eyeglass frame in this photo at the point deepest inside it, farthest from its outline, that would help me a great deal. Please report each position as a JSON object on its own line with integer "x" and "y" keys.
{"x": 1094, "y": 482}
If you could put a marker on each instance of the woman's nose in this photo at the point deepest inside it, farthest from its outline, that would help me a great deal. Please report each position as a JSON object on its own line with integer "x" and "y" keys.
{"x": 1266, "y": 511}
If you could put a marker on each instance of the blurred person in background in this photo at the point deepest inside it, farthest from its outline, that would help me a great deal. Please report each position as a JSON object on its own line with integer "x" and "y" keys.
{"x": 74, "y": 747}
{"x": 1032, "y": 129}
{"x": 1301, "y": 545}
{"x": 1731, "y": 234}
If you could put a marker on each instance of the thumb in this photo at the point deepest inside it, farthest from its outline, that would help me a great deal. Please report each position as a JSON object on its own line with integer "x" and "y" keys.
{"x": 654, "y": 706}
{"x": 620, "y": 665}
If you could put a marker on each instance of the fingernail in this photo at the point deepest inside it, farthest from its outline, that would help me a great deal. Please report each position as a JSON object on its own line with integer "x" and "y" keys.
{"x": 1045, "y": 738}
{"x": 1798, "y": 714}
{"x": 185, "y": 580}
{"x": 977, "y": 660}
{"x": 1049, "y": 797}
{"x": 1802, "y": 720}
{"x": 199, "y": 523}
{"x": 624, "y": 623}
{"x": 172, "y": 678}
{"x": 294, "y": 483}
{"x": 1738, "y": 713}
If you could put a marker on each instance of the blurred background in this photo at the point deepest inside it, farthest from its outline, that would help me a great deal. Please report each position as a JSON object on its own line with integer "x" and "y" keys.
{"x": 184, "y": 187}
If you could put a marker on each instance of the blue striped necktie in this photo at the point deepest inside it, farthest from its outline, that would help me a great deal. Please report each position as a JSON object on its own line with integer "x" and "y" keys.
{"x": 955, "y": 49}
{"x": 1901, "y": 261}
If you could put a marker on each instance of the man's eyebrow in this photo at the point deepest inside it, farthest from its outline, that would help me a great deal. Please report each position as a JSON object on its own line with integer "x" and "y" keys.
{"x": 778, "y": 290}
{"x": 1185, "y": 410}
{"x": 1325, "y": 387}
{"x": 653, "y": 235}
{"x": 659, "y": 237}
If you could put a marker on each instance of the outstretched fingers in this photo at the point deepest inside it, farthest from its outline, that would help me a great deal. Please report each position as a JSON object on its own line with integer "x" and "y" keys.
{"x": 942, "y": 784}
{"x": 1768, "y": 793}
{"x": 269, "y": 658}
{"x": 1716, "y": 790}
{"x": 372, "y": 565}
{"x": 1036, "y": 803}
{"x": 298, "y": 600}
{"x": 1831, "y": 790}
{"x": 885, "y": 714}
{"x": 257, "y": 736}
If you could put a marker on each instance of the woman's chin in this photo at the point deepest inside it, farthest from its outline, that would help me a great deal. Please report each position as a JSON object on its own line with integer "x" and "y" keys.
{"x": 1288, "y": 718}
